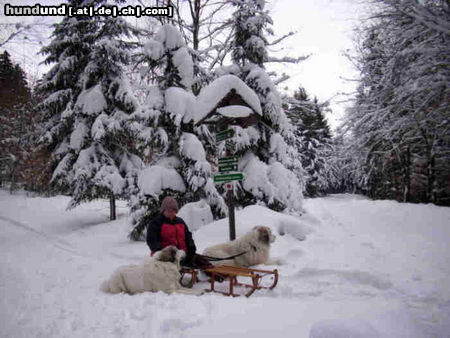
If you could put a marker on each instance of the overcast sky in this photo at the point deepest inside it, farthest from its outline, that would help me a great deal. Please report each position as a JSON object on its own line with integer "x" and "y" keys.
{"x": 324, "y": 30}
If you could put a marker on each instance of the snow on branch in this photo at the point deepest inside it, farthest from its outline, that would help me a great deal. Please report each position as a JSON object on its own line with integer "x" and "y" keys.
{"x": 277, "y": 41}
{"x": 281, "y": 79}
{"x": 288, "y": 59}
{"x": 422, "y": 14}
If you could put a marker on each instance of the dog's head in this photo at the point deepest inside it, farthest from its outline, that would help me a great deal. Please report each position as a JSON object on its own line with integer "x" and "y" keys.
{"x": 170, "y": 254}
{"x": 265, "y": 235}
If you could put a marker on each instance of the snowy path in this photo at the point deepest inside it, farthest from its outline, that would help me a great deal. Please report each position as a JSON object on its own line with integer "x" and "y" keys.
{"x": 373, "y": 268}
{"x": 395, "y": 251}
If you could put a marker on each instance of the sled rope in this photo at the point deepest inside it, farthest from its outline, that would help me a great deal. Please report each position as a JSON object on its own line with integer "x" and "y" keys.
{"x": 215, "y": 259}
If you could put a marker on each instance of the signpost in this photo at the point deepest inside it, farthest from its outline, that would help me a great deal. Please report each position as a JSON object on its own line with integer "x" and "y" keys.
{"x": 224, "y": 135}
{"x": 228, "y": 160}
{"x": 224, "y": 168}
{"x": 229, "y": 145}
{"x": 226, "y": 165}
{"x": 228, "y": 177}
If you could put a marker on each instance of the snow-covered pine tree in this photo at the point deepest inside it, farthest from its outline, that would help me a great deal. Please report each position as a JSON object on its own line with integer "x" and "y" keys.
{"x": 177, "y": 164}
{"x": 69, "y": 50}
{"x": 313, "y": 141}
{"x": 15, "y": 119}
{"x": 108, "y": 164}
{"x": 271, "y": 164}
{"x": 86, "y": 106}
{"x": 205, "y": 26}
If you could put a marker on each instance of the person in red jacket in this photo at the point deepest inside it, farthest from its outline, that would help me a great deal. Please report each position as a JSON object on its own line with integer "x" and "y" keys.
{"x": 167, "y": 229}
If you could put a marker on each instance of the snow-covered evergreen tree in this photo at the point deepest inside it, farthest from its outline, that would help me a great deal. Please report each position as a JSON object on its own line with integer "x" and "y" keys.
{"x": 16, "y": 119}
{"x": 313, "y": 141}
{"x": 177, "y": 164}
{"x": 60, "y": 87}
{"x": 270, "y": 161}
{"x": 87, "y": 101}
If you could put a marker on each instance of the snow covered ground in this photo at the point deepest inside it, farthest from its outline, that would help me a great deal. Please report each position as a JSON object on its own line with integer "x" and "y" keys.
{"x": 352, "y": 268}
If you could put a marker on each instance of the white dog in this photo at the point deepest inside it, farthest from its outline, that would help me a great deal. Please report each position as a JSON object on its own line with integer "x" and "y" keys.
{"x": 158, "y": 273}
{"x": 255, "y": 245}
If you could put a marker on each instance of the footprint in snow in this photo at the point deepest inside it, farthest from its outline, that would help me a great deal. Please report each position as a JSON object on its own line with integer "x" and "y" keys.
{"x": 295, "y": 253}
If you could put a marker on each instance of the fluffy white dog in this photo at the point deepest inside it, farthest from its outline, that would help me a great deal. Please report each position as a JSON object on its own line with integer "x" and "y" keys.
{"x": 255, "y": 245}
{"x": 158, "y": 273}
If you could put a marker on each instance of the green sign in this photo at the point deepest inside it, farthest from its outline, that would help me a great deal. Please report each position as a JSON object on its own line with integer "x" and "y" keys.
{"x": 227, "y": 167}
{"x": 229, "y": 145}
{"x": 228, "y": 160}
{"x": 224, "y": 135}
{"x": 228, "y": 177}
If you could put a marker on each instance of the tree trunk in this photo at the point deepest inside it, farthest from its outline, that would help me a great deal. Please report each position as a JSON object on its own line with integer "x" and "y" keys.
{"x": 407, "y": 176}
{"x": 431, "y": 177}
{"x": 196, "y": 24}
{"x": 112, "y": 207}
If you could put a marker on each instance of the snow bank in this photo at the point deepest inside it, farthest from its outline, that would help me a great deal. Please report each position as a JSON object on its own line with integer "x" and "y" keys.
{"x": 293, "y": 227}
{"x": 251, "y": 216}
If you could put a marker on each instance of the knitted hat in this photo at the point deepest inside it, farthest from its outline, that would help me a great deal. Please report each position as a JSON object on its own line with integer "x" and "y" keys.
{"x": 169, "y": 203}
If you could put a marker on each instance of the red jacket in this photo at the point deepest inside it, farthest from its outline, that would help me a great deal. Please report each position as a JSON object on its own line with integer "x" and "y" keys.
{"x": 162, "y": 232}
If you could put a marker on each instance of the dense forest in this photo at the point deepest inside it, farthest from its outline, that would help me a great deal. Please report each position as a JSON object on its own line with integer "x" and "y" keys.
{"x": 114, "y": 116}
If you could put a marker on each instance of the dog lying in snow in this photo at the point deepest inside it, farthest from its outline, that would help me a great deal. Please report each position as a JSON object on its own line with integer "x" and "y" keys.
{"x": 158, "y": 273}
{"x": 255, "y": 244}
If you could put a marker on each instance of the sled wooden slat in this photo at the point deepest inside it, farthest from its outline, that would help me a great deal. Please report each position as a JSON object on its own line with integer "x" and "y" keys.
{"x": 232, "y": 272}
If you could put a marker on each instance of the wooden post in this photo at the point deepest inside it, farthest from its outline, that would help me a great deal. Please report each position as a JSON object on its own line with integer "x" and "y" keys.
{"x": 112, "y": 207}
{"x": 231, "y": 218}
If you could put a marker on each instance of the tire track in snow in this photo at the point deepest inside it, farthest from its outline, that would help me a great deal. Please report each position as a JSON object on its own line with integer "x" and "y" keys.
{"x": 58, "y": 243}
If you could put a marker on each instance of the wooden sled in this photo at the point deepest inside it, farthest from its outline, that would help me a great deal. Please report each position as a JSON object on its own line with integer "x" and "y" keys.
{"x": 231, "y": 273}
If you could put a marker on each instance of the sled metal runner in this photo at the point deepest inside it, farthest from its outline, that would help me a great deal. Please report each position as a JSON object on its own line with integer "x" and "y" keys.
{"x": 231, "y": 273}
